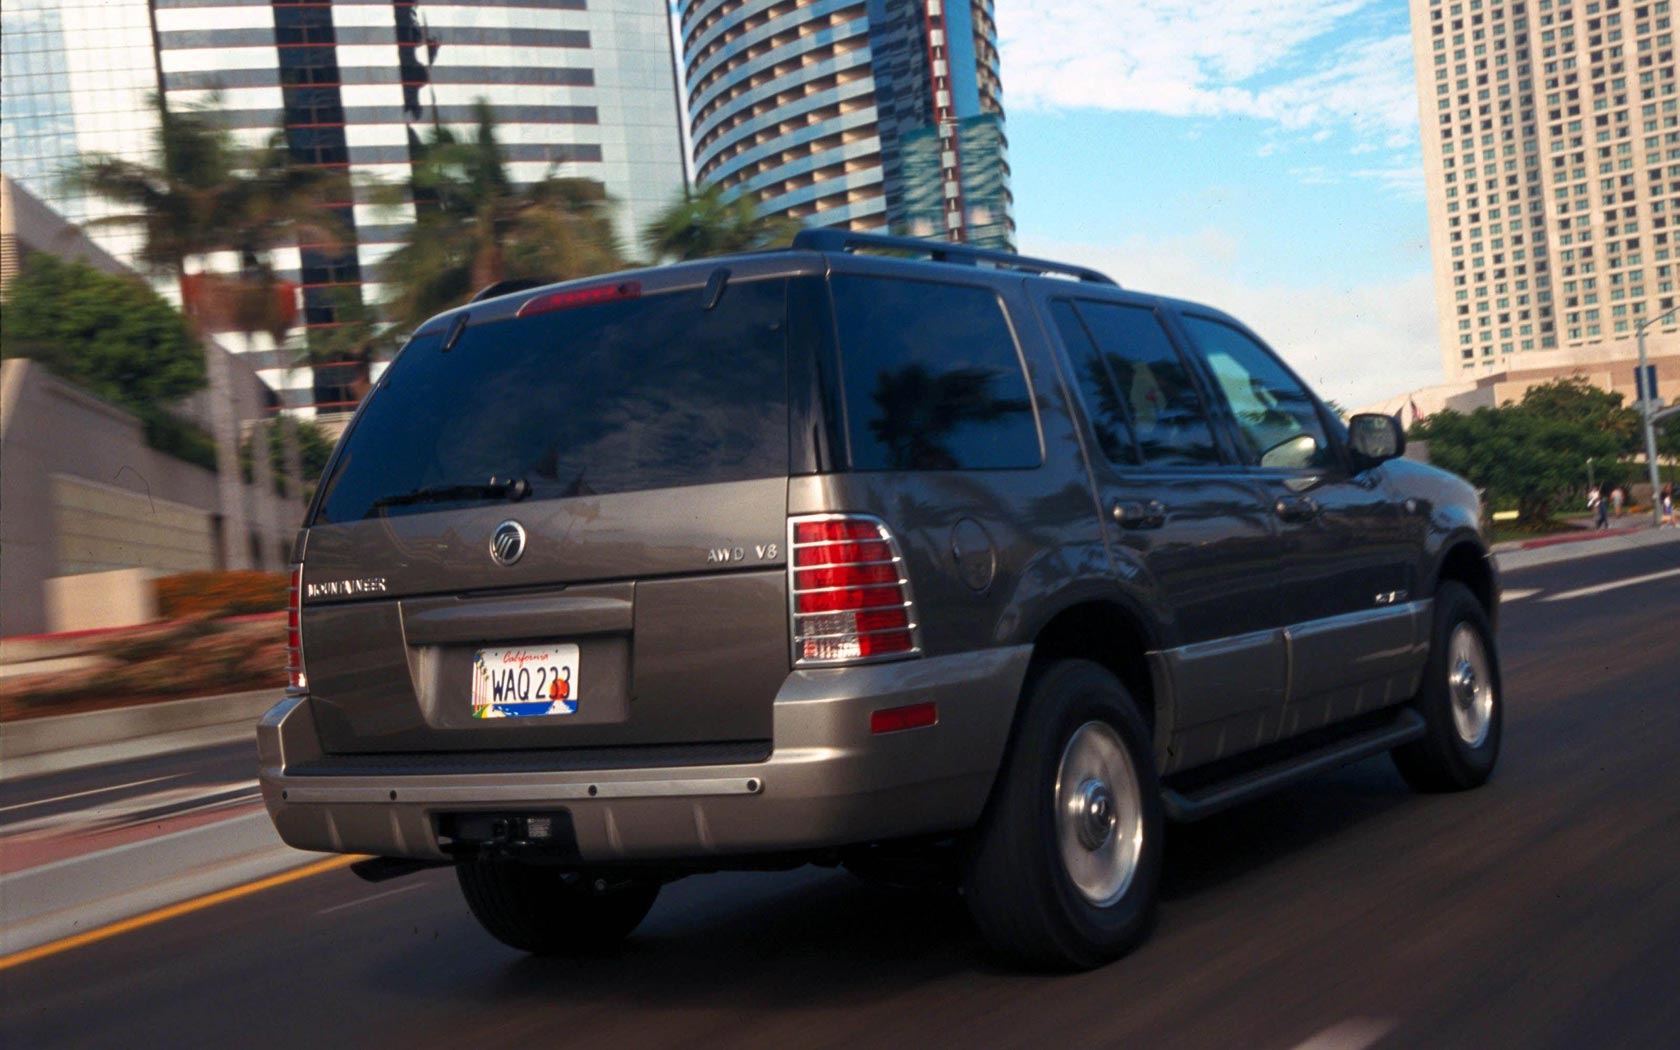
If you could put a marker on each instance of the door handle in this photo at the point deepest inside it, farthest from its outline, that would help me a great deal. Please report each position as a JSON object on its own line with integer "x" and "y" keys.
{"x": 1296, "y": 508}
{"x": 1138, "y": 514}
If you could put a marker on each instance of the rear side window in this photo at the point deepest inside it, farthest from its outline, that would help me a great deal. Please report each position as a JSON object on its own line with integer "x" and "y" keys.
{"x": 644, "y": 393}
{"x": 1096, "y": 386}
{"x": 1153, "y": 384}
{"x": 932, "y": 376}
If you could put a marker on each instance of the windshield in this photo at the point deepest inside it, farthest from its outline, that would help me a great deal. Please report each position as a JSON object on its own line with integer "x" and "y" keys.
{"x": 645, "y": 393}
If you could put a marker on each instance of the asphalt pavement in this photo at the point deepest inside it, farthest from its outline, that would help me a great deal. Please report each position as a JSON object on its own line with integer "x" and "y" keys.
{"x": 1540, "y": 911}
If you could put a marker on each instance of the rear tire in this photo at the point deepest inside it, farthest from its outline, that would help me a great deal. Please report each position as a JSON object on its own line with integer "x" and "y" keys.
{"x": 1063, "y": 869}
{"x": 1461, "y": 700}
{"x": 547, "y": 911}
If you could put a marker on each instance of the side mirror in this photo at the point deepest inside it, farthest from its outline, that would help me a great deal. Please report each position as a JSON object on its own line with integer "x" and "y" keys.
{"x": 1375, "y": 438}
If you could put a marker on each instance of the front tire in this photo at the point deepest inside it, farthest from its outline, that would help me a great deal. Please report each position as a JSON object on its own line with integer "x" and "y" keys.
{"x": 1461, "y": 700}
{"x": 1063, "y": 869}
{"x": 546, "y": 911}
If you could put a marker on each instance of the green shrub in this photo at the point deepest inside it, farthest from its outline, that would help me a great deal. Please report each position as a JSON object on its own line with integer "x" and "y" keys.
{"x": 178, "y": 438}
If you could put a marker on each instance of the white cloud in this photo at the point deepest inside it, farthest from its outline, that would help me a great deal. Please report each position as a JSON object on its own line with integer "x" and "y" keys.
{"x": 1192, "y": 58}
{"x": 1356, "y": 343}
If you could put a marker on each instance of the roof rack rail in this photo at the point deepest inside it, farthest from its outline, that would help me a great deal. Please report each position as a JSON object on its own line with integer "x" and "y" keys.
{"x": 827, "y": 240}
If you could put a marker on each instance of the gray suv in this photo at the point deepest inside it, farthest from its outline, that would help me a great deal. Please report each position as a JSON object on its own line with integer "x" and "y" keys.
{"x": 872, "y": 552}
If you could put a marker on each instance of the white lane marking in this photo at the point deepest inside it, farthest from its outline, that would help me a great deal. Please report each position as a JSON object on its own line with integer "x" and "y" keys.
{"x": 1356, "y": 1033}
{"x": 1519, "y": 594}
{"x": 1612, "y": 585}
{"x": 91, "y": 791}
{"x": 369, "y": 898}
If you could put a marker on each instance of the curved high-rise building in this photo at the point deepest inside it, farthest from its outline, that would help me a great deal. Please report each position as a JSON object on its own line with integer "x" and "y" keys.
{"x": 860, "y": 114}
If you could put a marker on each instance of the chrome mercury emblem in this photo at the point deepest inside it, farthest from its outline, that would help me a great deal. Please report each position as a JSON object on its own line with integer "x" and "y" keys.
{"x": 507, "y": 543}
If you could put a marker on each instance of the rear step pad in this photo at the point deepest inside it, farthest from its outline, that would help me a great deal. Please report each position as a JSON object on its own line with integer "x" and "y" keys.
{"x": 1210, "y": 799}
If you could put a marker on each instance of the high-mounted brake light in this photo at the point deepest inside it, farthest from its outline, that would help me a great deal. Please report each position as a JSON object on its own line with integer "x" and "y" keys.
{"x": 849, "y": 592}
{"x": 295, "y": 678}
{"x": 600, "y": 293}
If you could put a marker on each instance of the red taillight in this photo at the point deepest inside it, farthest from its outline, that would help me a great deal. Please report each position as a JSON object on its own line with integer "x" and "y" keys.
{"x": 601, "y": 293}
{"x": 295, "y": 677}
{"x": 850, "y": 596}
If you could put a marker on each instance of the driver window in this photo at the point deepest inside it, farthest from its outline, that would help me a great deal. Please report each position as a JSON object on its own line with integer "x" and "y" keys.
{"x": 1276, "y": 418}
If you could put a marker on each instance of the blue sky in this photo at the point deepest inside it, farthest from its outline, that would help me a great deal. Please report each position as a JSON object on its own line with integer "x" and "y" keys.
{"x": 1259, "y": 154}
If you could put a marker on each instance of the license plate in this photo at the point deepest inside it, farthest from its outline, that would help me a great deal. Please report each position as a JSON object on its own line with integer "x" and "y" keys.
{"x": 529, "y": 680}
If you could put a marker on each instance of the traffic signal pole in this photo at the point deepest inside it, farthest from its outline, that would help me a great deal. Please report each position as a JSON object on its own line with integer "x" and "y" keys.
{"x": 1646, "y": 410}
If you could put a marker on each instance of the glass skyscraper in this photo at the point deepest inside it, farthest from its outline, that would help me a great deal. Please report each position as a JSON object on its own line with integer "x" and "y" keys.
{"x": 77, "y": 75}
{"x": 860, "y": 114}
{"x": 581, "y": 88}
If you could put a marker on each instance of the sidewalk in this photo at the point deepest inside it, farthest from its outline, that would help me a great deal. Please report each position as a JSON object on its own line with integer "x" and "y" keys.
{"x": 82, "y": 893}
{"x": 1546, "y": 550}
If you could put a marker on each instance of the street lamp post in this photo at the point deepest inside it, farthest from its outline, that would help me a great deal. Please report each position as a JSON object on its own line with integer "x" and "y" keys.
{"x": 1647, "y": 409}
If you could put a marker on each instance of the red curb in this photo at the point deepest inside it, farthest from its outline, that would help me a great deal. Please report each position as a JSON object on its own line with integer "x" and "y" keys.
{"x": 1596, "y": 534}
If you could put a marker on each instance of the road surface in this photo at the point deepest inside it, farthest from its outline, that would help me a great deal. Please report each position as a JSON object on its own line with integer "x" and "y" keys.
{"x": 1540, "y": 911}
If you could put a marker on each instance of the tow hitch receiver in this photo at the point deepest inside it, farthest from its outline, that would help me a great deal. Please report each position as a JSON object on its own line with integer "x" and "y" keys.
{"x": 546, "y": 836}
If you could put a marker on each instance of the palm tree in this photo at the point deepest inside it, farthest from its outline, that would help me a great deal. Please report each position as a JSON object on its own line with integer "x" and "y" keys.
{"x": 356, "y": 337}
{"x": 204, "y": 195}
{"x": 474, "y": 226}
{"x": 706, "y": 223}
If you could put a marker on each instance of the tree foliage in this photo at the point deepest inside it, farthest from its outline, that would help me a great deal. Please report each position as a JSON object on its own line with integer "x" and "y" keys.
{"x": 1533, "y": 454}
{"x": 1575, "y": 400}
{"x": 474, "y": 226}
{"x": 706, "y": 223}
{"x": 357, "y": 336}
{"x": 314, "y": 447}
{"x": 205, "y": 193}
{"x": 112, "y": 335}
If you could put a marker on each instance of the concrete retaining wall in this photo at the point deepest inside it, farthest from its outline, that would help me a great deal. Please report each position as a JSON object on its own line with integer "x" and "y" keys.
{"x": 96, "y": 600}
{"x": 36, "y": 736}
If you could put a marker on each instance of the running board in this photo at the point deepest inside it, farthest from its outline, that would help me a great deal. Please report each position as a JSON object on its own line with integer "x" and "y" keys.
{"x": 1205, "y": 801}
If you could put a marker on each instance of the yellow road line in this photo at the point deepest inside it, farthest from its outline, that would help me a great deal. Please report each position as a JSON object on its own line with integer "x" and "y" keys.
{"x": 41, "y": 951}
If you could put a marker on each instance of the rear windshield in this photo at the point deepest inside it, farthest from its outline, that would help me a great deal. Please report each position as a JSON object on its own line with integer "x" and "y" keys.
{"x": 645, "y": 393}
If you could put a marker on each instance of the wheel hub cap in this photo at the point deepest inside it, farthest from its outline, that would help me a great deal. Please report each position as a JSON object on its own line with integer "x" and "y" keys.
{"x": 1099, "y": 814}
{"x": 1097, "y": 806}
{"x": 1470, "y": 685}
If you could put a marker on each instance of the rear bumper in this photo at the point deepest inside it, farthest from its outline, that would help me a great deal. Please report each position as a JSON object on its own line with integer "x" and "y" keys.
{"x": 828, "y": 780}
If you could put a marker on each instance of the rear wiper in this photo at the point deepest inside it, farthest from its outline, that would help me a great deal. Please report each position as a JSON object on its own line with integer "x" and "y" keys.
{"x": 513, "y": 489}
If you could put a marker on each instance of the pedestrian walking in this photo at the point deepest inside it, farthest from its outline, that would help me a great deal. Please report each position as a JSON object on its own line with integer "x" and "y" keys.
{"x": 1668, "y": 506}
{"x": 1617, "y": 496}
{"x": 1600, "y": 508}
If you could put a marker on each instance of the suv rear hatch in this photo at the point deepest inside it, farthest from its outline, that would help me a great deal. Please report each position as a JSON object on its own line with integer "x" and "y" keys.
{"x": 638, "y": 437}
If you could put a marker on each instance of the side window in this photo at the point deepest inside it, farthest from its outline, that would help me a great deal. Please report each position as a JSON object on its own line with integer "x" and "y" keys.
{"x": 1276, "y": 418}
{"x": 1153, "y": 384}
{"x": 1096, "y": 386}
{"x": 933, "y": 380}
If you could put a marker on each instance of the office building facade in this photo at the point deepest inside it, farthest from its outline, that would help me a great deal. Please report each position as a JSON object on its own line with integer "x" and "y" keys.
{"x": 1551, "y": 141}
{"x": 857, "y": 114}
{"x": 76, "y": 77}
{"x": 579, "y": 88}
